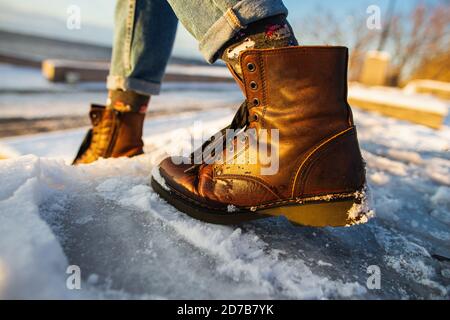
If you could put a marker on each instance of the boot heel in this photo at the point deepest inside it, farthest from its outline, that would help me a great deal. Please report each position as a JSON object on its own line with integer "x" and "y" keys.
{"x": 323, "y": 214}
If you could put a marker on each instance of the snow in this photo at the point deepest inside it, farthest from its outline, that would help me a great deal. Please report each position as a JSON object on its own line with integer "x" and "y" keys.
{"x": 379, "y": 178}
{"x": 106, "y": 219}
{"x": 399, "y": 98}
{"x": 32, "y": 260}
{"x": 406, "y": 156}
{"x": 199, "y": 70}
{"x": 52, "y": 196}
{"x": 157, "y": 176}
{"x": 7, "y": 152}
{"x": 361, "y": 213}
{"x": 429, "y": 85}
{"x": 324, "y": 264}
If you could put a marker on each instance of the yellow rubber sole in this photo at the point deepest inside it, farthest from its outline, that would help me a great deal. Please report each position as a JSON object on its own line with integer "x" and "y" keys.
{"x": 323, "y": 214}
{"x": 315, "y": 214}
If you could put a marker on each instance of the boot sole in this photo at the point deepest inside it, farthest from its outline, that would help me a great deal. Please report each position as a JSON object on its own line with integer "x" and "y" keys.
{"x": 203, "y": 214}
{"x": 317, "y": 214}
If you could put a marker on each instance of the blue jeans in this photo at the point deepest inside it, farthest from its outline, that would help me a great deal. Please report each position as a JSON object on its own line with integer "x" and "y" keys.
{"x": 145, "y": 31}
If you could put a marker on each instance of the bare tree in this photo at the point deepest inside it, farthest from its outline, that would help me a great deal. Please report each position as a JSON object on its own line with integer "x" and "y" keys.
{"x": 413, "y": 39}
{"x": 421, "y": 36}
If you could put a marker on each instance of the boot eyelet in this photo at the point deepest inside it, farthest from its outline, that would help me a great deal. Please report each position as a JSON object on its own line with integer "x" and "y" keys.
{"x": 253, "y": 85}
{"x": 255, "y": 118}
{"x": 256, "y": 102}
{"x": 251, "y": 67}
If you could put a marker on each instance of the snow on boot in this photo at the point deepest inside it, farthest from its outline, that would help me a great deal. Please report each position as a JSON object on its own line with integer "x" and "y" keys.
{"x": 301, "y": 93}
{"x": 113, "y": 134}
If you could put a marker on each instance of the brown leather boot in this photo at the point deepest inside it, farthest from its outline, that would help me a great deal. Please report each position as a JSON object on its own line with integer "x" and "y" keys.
{"x": 302, "y": 92}
{"x": 114, "y": 134}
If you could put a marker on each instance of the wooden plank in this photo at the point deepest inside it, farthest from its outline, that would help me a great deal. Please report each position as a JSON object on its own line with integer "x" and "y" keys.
{"x": 395, "y": 103}
{"x": 19, "y": 61}
{"x": 437, "y": 88}
{"x": 73, "y": 71}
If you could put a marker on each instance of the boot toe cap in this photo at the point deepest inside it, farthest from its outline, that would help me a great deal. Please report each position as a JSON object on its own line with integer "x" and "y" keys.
{"x": 195, "y": 186}
{"x": 172, "y": 171}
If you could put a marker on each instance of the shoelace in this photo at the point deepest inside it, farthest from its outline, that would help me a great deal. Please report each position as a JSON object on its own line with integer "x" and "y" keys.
{"x": 240, "y": 121}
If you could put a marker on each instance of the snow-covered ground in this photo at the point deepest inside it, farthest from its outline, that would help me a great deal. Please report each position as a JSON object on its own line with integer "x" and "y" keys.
{"x": 129, "y": 243}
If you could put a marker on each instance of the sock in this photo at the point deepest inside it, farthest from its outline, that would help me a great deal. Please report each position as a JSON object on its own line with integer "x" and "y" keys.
{"x": 127, "y": 101}
{"x": 272, "y": 32}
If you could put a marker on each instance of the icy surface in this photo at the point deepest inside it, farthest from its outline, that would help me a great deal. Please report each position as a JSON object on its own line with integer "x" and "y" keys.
{"x": 129, "y": 243}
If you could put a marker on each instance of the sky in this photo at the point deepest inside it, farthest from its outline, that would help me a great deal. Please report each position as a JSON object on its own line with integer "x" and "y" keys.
{"x": 48, "y": 17}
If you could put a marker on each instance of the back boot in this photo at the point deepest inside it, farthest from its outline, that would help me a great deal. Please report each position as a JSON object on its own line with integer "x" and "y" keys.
{"x": 113, "y": 134}
{"x": 320, "y": 181}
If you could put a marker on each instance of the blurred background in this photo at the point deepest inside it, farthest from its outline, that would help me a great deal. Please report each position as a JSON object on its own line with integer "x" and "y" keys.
{"x": 418, "y": 35}
{"x": 53, "y": 71}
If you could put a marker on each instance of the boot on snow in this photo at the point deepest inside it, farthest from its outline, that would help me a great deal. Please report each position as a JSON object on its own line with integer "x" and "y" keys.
{"x": 301, "y": 92}
{"x": 113, "y": 134}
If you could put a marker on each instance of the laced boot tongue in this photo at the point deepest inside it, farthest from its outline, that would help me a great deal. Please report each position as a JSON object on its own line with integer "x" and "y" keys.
{"x": 240, "y": 121}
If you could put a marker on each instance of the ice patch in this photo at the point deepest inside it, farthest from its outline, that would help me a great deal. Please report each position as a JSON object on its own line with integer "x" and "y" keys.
{"x": 93, "y": 279}
{"x": 442, "y": 198}
{"x": 32, "y": 261}
{"x": 441, "y": 201}
{"x": 84, "y": 220}
{"x": 446, "y": 273}
{"x": 408, "y": 258}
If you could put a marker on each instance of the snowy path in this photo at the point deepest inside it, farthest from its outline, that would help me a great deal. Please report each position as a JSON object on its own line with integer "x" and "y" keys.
{"x": 128, "y": 243}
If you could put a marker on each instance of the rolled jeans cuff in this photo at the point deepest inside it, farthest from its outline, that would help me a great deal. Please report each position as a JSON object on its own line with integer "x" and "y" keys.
{"x": 137, "y": 85}
{"x": 235, "y": 19}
